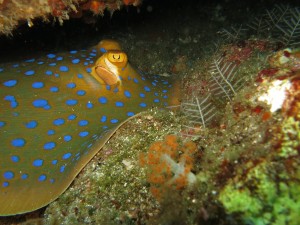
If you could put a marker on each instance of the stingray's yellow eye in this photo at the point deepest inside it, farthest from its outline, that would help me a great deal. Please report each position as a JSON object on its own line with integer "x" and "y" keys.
{"x": 117, "y": 57}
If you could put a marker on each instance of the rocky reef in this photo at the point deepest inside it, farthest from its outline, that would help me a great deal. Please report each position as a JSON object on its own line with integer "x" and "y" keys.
{"x": 229, "y": 156}
{"x": 14, "y": 13}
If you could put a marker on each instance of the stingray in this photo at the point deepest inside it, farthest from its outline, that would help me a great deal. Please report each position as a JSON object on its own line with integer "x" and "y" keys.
{"x": 57, "y": 111}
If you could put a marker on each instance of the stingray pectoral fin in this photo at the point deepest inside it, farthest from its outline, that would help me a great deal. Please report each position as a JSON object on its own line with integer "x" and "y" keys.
{"x": 19, "y": 199}
{"x": 104, "y": 75}
{"x": 175, "y": 95}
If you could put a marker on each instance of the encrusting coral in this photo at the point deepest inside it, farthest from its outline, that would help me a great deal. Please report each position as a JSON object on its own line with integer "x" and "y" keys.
{"x": 14, "y": 13}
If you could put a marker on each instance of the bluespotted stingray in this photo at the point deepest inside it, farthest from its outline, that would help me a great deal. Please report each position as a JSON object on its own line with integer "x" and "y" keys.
{"x": 58, "y": 111}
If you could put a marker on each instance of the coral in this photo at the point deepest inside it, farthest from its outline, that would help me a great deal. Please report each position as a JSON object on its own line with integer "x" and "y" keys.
{"x": 266, "y": 195}
{"x": 169, "y": 164}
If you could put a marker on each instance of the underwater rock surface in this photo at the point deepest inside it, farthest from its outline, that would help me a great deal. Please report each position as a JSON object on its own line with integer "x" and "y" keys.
{"x": 245, "y": 127}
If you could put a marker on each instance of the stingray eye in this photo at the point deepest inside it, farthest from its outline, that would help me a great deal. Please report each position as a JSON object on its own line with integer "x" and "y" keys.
{"x": 117, "y": 57}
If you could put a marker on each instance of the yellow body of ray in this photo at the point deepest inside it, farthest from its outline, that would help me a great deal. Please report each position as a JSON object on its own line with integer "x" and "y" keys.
{"x": 27, "y": 195}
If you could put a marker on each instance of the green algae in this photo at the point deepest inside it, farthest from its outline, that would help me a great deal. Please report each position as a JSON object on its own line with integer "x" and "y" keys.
{"x": 264, "y": 197}
{"x": 291, "y": 138}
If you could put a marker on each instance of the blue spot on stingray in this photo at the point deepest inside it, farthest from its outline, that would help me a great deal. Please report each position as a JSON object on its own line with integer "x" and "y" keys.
{"x": 18, "y": 142}
{"x": 40, "y": 103}
{"x": 155, "y": 93}
{"x": 40, "y": 63}
{"x": 81, "y": 92}
{"x": 49, "y": 145}
{"x": 52, "y": 64}
{"x": 5, "y": 184}
{"x": 8, "y": 175}
{"x": 56, "y": 75}
{"x": 52, "y": 180}
{"x": 31, "y": 124}
{"x": 142, "y": 95}
{"x": 47, "y": 107}
{"x": 24, "y": 176}
{"x": 10, "y": 83}
{"x": 156, "y": 100}
{"x": 108, "y": 87}
{"x": 135, "y": 80}
{"x": 43, "y": 177}
{"x": 92, "y": 54}
{"x": 29, "y": 73}
{"x": 85, "y": 63}
{"x": 58, "y": 121}
{"x": 9, "y": 98}
{"x": 130, "y": 114}
{"x": 88, "y": 70}
{"x": 103, "y": 119}
{"x": 119, "y": 104}
{"x": 103, "y": 100}
{"x": 127, "y": 94}
{"x": 83, "y": 133}
{"x": 67, "y": 155}
{"x": 38, "y": 85}
{"x": 48, "y": 72}
{"x": 54, "y": 162}
{"x": 15, "y": 65}
{"x": 30, "y": 60}
{"x": 165, "y": 96}
{"x": 143, "y": 104}
{"x": 54, "y": 89}
{"x": 12, "y": 100}
{"x": 62, "y": 168}
{"x": 103, "y": 50}
{"x": 116, "y": 90}
{"x": 67, "y": 138}
{"x": 75, "y": 61}
{"x": 164, "y": 91}
{"x": 50, "y": 132}
{"x": 153, "y": 83}
{"x": 79, "y": 75}
{"x": 147, "y": 89}
{"x": 83, "y": 123}
{"x": 59, "y": 58}
{"x": 89, "y": 105}
{"x": 64, "y": 68}
{"x": 2, "y": 123}
{"x": 72, "y": 117}
{"x": 15, "y": 158}
{"x": 38, "y": 162}
{"x": 1, "y": 70}
{"x": 73, "y": 51}
{"x": 51, "y": 56}
{"x": 71, "y": 85}
{"x": 114, "y": 120}
{"x": 71, "y": 102}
